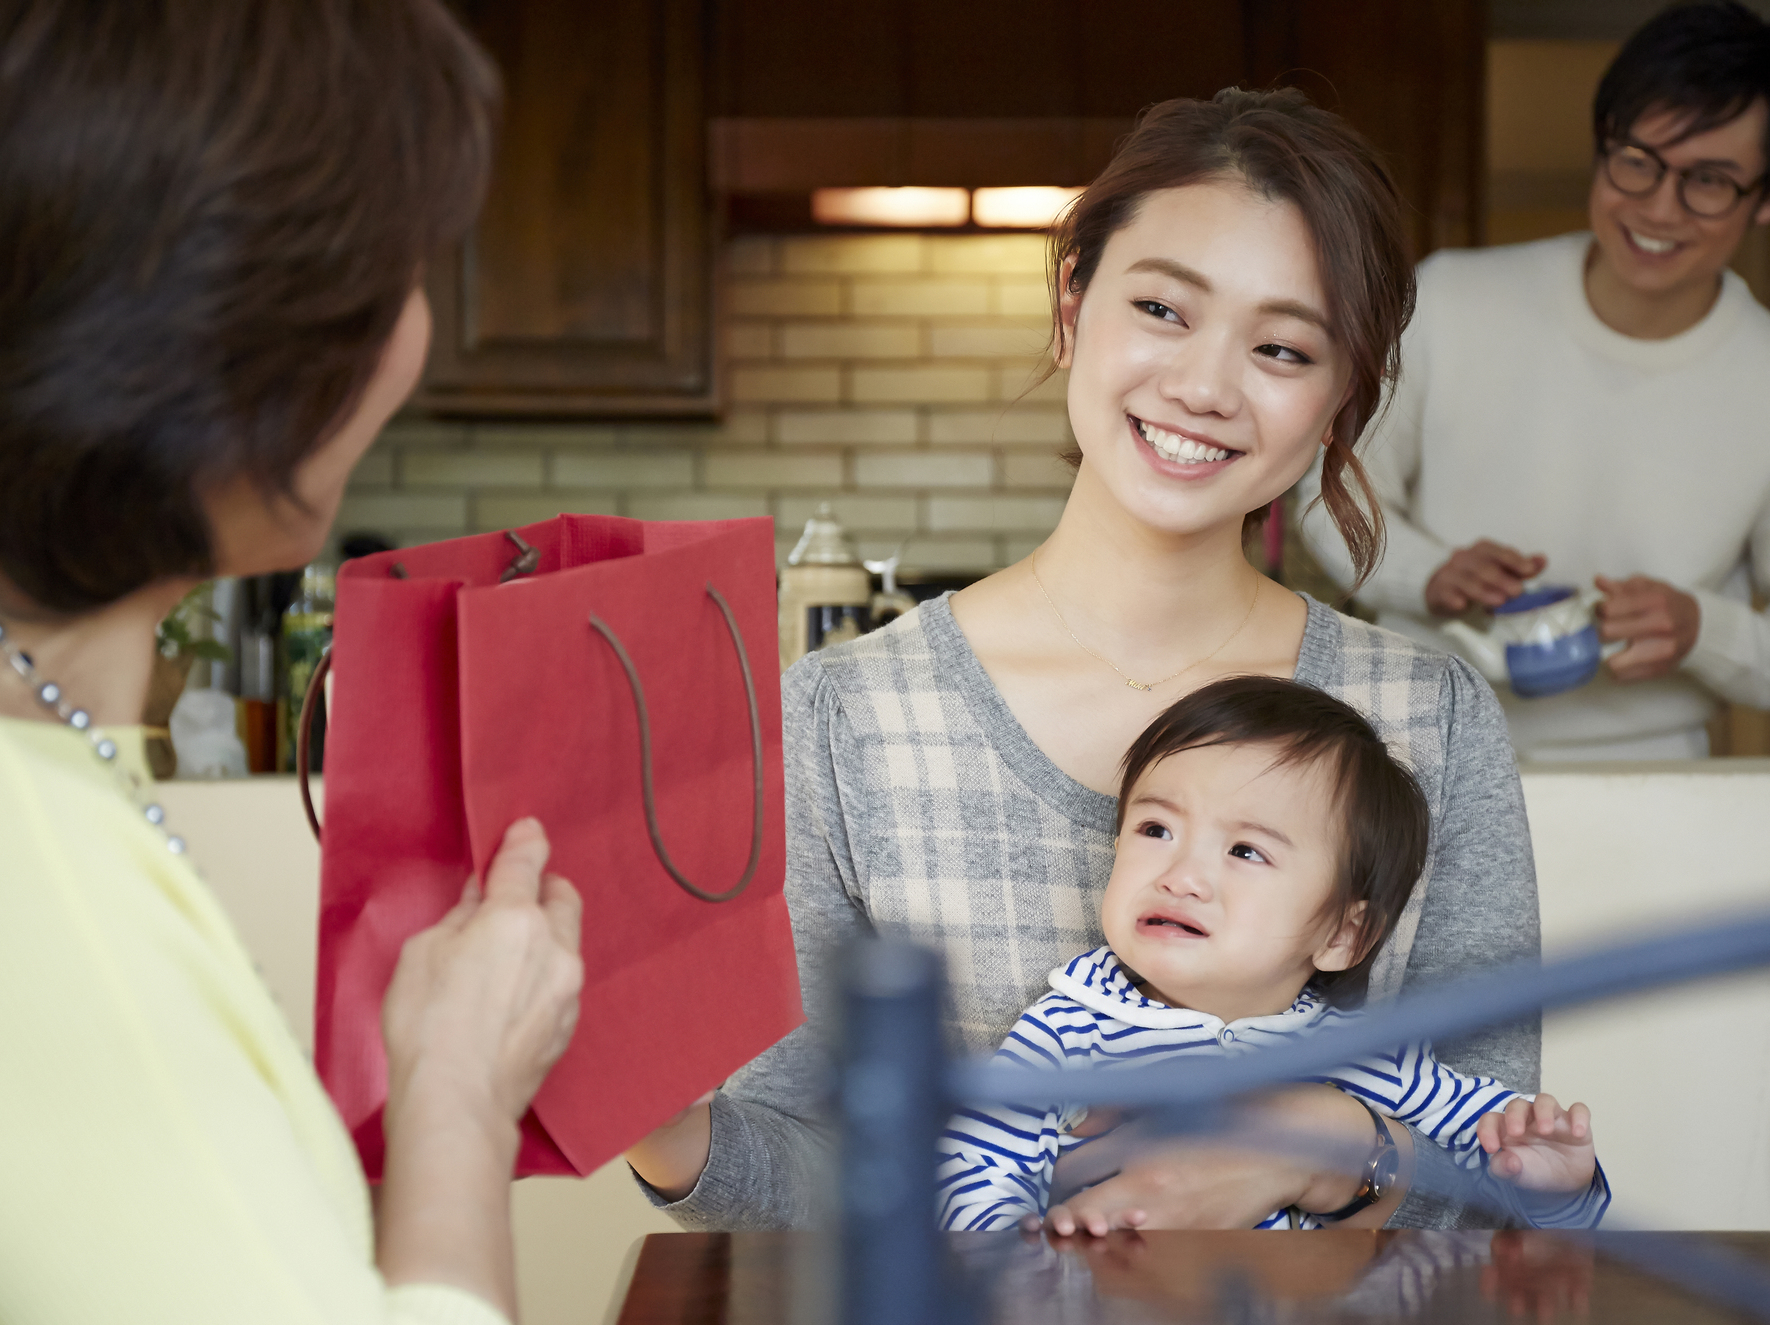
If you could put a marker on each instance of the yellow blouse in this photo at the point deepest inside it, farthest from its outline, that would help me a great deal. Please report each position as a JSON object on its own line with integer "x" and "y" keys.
{"x": 166, "y": 1151}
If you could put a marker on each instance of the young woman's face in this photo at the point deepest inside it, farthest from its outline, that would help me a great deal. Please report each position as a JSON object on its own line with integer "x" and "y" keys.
{"x": 1203, "y": 372}
{"x": 253, "y": 534}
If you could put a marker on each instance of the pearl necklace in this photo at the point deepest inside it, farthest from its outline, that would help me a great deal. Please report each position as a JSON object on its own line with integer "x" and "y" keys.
{"x": 49, "y": 695}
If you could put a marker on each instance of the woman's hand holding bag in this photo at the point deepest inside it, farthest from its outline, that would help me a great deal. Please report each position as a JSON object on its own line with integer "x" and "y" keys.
{"x": 481, "y": 1007}
{"x": 484, "y": 1002}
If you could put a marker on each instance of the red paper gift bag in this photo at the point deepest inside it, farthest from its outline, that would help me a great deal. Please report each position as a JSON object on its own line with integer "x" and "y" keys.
{"x": 619, "y": 680}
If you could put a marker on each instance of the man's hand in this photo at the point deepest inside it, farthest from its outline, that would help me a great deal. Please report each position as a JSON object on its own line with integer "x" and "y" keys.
{"x": 1485, "y": 574}
{"x": 1539, "y": 1146}
{"x": 1661, "y": 624}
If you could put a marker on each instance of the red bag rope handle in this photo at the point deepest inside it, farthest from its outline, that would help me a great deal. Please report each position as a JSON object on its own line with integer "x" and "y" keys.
{"x": 316, "y": 686}
{"x": 310, "y": 703}
{"x": 651, "y": 809}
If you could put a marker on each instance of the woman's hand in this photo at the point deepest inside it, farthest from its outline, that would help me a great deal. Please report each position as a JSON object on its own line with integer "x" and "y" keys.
{"x": 1539, "y": 1146}
{"x": 481, "y": 1006}
{"x": 671, "y": 1158}
{"x": 1220, "y": 1184}
{"x": 484, "y": 1002}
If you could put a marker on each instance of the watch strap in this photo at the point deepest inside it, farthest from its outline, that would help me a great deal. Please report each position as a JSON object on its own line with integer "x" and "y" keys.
{"x": 1379, "y": 1170}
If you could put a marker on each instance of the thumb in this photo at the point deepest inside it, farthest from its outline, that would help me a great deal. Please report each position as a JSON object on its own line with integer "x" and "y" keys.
{"x": 565, "y": 911}
{"x": 515, "y": 872}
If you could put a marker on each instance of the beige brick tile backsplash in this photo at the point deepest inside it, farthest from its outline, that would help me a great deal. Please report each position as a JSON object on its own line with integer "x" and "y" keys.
{"x": 882, "y": 372}
{"x": 924, "y": 469}
{"x": 613, "y": 471}
{"x": 851, "y": 253}
{"x": 502, "y": 468}
{"x": 961, "y": 554}
{"x": 1012, "y": 425}
{"x": 913, "y": 298}
{"x": 508, "y": 510}
{"x": 1018, "y": 255}
{"x": 365, "y": 511}
{"x": 990, "y": 340}
{"x": 850, "y": 340}
{"x": 840, "y": 427}
{"x": 697, "y": 506}
{"x": 885, "y": 515}
{"x": 1036, "y": 469}
{"x": 374, "y": 470}
{"x": 531, "y": 435}
{"x": 750, "y": 255}
{"x": 1023, "y": 298}
{"x": 920, "y": 383}
{"x": 784, "y": 298}
{"x": 1019, "y": 383}
{"x": 997, "y": 514}
{"x": 785, "y": 385}
{"x": 772, "y": 470}
{"x": 742, "y": 426}
{"x": 749, "y": 340}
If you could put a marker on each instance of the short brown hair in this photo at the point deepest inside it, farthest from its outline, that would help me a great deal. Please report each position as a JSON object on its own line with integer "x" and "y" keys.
{"x": 212, "y": 213}
{"x": 1387, "y": 826}
{"x": 1285, "y": 149}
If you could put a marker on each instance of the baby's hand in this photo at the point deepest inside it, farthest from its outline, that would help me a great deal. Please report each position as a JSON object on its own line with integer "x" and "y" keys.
{"x": 1063, "y": 1221}
{"x": 1539, "y": 1146}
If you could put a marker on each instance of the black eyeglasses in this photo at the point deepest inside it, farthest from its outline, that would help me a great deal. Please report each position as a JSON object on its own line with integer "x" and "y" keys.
{"x": 1705, "y": 191}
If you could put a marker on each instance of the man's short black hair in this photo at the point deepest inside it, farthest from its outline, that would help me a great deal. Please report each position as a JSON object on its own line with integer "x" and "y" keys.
{"x": 1385, "y": 823}
{"x": 1708, "y": 61}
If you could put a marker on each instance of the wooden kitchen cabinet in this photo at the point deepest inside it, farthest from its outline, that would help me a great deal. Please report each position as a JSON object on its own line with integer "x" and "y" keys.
{"x": 586, "y": 287}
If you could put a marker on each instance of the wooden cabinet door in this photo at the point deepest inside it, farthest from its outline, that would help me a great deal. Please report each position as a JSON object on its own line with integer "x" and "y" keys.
{"x": 586, "y": 286}
{"x": 1410, "y": 76}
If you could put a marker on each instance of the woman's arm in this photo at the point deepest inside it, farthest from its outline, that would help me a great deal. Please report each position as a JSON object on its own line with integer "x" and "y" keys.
{"x": 757, "y": 1156}
{"x": 165, "y": 1147}
{"x": 481, "y": 1007}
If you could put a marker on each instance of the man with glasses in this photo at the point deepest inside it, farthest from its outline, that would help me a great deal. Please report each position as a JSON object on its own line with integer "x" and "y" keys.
{"x": 1595, "y": 409}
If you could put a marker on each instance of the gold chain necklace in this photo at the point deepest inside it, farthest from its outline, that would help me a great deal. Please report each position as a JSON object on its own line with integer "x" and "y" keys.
{"x": 1033, "y": 565}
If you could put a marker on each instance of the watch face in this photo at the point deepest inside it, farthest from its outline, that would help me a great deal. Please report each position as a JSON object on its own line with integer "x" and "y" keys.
{"x": 1384, "y": 1170}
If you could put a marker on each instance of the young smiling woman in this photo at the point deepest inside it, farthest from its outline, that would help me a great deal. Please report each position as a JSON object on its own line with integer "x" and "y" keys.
{"x": 1229, "y": 295}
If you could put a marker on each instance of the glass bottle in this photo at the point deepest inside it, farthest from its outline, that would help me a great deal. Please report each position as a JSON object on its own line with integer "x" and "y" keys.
{"x": 307, "y": 633}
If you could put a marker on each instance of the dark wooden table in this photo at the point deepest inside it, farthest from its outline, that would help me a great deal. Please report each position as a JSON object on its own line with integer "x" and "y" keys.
{"x": 1205, "y": 1278}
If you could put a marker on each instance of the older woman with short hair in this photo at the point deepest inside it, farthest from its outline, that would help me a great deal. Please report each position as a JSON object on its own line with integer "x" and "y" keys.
{"x": 213, "y": 219}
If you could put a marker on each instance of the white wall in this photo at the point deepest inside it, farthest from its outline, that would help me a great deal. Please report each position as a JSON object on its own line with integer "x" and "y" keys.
{"x": 1618, "y": 851}
{"x": 1678, "y": 1080}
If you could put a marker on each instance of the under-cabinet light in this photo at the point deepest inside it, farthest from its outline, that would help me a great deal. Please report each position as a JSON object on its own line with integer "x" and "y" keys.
{"x": 881, "y": 206}
{"x": 1029, "y": 208}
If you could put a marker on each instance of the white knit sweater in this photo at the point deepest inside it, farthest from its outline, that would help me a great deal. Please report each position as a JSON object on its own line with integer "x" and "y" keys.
{"x": 1522, "y": 418}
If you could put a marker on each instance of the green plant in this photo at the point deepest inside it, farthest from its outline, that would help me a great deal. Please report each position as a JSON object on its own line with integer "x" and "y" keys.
{"x": 176, "y": 637}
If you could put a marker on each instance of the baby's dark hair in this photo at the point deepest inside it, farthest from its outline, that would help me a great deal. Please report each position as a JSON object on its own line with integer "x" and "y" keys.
{"x": 1386, "y": 823}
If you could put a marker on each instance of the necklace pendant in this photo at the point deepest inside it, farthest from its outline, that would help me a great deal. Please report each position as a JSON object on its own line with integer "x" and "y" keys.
{"x": 1135, "y": 685}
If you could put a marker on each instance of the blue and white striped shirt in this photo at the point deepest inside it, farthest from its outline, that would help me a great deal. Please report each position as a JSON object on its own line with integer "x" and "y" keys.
{"x": 996, "y": 1163}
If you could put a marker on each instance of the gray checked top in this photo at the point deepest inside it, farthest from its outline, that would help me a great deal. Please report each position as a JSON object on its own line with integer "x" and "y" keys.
{"x": 917, "y": 806}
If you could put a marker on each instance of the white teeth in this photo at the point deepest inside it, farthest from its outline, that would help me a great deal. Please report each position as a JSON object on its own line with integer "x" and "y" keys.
{"x": 1649, "y": 245}
{"x": 1172, "y": 446}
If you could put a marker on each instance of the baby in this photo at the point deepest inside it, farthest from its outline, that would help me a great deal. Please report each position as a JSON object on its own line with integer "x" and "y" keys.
{"x": 1268, "y": 843}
